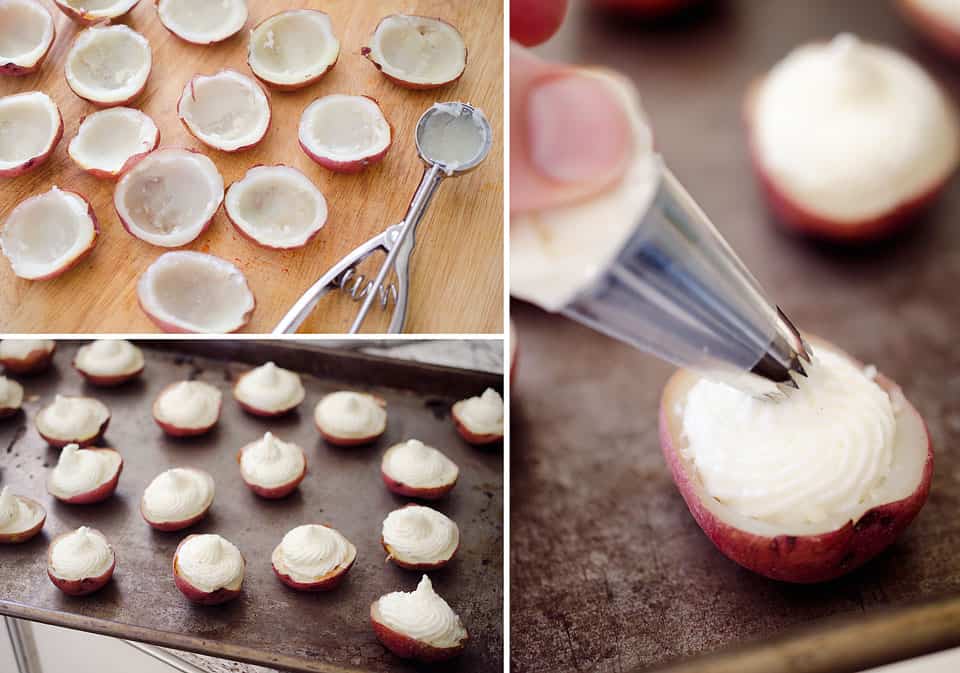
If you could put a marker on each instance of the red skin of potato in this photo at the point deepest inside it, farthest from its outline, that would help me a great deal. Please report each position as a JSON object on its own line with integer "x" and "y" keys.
{"x": 101, "y": 492}
{"x": 274, "y": 492}
{"x": 291, "y": 87}
{"x": 13, "y": 70}
{"x": 7, "y": 412}
{"x": 82, "y": 442}
{"x": 354, "y": 441}
{"x": 357, "y": 165}
{"x": 417, "y": 566}
{"x": 195, "y": 595}
{"x": 107, "y": 381}
{"x": 328, "y": 582}
{"x": 84, "y": 19}
{"x": 223, "y": 149}
{"x": 433, "y": 493}
{"x": 38, "y": 161}
{"x": 262, "y": 244}
{"x": 83, "y": 254}
{"x": 80, "y": 587}
{"x": 28, "y": 534}
{"x": 169, "y": 526}
{"x": 36, "y": 362}
{"x": 533, "y": 22}
{"x": 176, "y": 431}
{"x": 472, "y": 437}
{"x": 943, "y": 36}
{"x": 790, "y": 558}
{"x": 127, "y": 165}
{"x": 406, "y": 647}
{"x": 796, "y": 217}
{"x": 367, "y": 53}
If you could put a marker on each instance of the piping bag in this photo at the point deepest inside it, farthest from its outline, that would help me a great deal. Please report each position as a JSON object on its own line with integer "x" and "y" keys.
{"x": 644, "y": 264}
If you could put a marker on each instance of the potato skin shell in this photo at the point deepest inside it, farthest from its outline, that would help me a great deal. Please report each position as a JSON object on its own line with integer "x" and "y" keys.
{"x": 169, "y": 526}
{"x": 472, "y": 437}
{"x": 195, "y": 595}
{"x": 107, "y": 381}
{"x": 81, "y": 442}
{"x": 177, "y": 431}
{"x": 433, "y": 493}
{"x": 328, "y": 583}
{"x": 790, "y": 558}
{"x": 418, "y": 566}
{"x": 101, "y": 492}
{"x": 30, "y": 533}
{"x": 36, "y": 362}
{"x": 406, "y": 647}
{"x": 36, "y": 162}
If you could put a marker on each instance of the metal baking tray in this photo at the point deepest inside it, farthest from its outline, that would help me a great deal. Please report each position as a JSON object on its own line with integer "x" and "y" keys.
{"x": 270, "y": 624}
{"x": 608, "y": 569}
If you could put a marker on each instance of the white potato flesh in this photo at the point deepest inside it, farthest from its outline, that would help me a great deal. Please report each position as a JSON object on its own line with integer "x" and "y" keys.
{"x": 194, "y": 292}
{"x": 108, "y": 64}
{"x": 46, "y": 233}
{"x": 277, "y": 206}
{"x": 203, "y": 22}
{"x": 228, "y": 111}
{"x": 345, "y": 128}
{"x": 293, "y": 47}
{"x": 29, "y": 124}
{"x": 100, "y": 9}
{"x": 26, "y": 31}
{"x": 169, "y": 197}
{"x": 108, "y": 139}
{"x": 419, "y": 50}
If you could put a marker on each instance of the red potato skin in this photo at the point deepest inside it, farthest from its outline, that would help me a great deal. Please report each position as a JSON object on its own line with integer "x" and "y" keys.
{"x": 81, "y": 442}
{"x": 36, "y": 362}
{"x": 274, "y": 492}
{"x": 801, "y": 220}
{"x": 101, "y": 492}
{"x": 84, "y": 19}
{"x": 533, "y": 22}
{"x": 13, "y": 70}
{"x": 328, "y": 582}
{"x": 80, "y": 587}
{"x": 169, "y": 526}
{"x": 417, "y": 566}
{"x": 472, "y": 437}
{"x": 176, "y": 431}
{"x": 83, "y": 254}
{"x": 127, "y": 165}
{"x": 260, "y": 243}
{"x": 107, "y": 381}
{"x": 357, "y": 165}
{"x": 216, "y": 147}
{"x": 799, "y": 559}
{"x": 406, "y": 647}
{"x": 195, "y": 595}
{"x": 354, "y": 441}
{"x": 30, "y": 533}
{"x": 185, "y": 39}
{"x": 277, "y": 86}
{"x": 434, "y": 493}
{"x": 367, "y": 53}
{"x": 38, "y": 161}
{"x": 936, "y": 31}
{"x": 7, "y": 412}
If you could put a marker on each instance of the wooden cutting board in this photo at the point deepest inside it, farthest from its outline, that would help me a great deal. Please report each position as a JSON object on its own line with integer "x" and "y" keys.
{"x": 457, "y": 276}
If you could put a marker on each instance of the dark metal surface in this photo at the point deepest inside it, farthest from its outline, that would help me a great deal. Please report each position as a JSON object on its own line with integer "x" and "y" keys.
{"x": 269, "y": 624}
{"x": 609, "y": 572}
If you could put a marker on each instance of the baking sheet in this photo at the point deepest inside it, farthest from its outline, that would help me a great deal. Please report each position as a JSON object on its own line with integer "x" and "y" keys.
{"x": 269, "y": 624}
{"x": 608, "y": 569}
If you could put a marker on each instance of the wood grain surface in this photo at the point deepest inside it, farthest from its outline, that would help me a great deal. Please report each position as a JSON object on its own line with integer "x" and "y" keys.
{"x": 609, "y": 572}
{"x": 457, "y": 275}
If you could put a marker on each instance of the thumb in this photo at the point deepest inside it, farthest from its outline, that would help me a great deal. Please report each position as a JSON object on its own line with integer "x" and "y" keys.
{"x": 570, "y": 135}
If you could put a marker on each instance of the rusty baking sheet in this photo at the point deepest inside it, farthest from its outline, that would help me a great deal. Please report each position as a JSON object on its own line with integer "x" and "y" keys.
{"x": 609, "y": 572}
{"x": 270, "y": 624}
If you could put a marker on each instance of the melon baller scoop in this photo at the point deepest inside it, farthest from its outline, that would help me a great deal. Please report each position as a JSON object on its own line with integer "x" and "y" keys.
{"x": 452, "y": 139}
